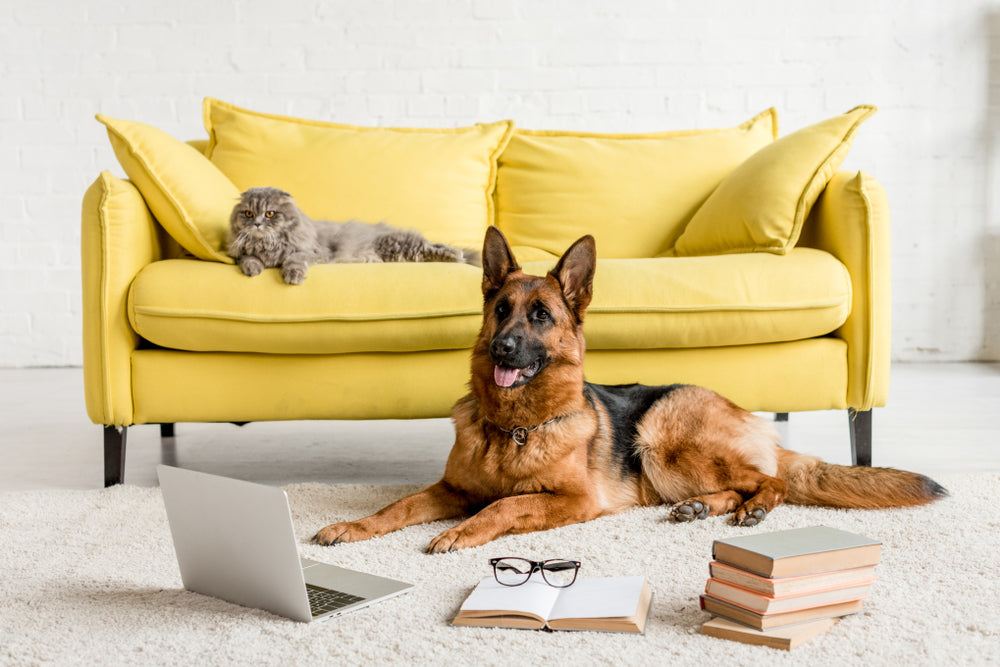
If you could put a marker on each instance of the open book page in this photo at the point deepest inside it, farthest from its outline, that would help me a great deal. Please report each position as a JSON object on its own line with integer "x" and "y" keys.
{"x": 609, "y": 597}
{"x": 534, "y": 597}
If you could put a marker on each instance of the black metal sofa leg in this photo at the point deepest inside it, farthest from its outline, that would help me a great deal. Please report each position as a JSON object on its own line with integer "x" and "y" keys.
{"x": 114, "y": 455}
{"x": 861, "y": 436}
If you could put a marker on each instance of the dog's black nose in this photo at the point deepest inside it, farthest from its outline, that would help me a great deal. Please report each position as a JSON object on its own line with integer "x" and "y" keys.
{"x": 503, "y": 346}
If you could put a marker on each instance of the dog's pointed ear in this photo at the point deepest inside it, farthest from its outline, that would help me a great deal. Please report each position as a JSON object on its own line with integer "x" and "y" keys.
{"x": 575, "y": 274}
{"x": 498, "y": 261}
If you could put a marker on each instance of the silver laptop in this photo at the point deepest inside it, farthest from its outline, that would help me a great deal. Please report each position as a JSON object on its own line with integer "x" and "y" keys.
{"x": 234, "y": 540}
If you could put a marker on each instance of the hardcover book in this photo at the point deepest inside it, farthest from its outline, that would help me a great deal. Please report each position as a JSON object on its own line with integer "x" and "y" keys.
{"x": 766, "y": 604}
{"x": 802, "y": 584}
{"x": 612, "y": 604}
{"x": 766, "y": 622}
{"x": 786, "y": 637}
{"x": 798, "y": 551}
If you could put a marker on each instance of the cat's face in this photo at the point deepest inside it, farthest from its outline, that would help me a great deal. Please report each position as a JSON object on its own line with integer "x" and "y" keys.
{"x": 264, "y": 211}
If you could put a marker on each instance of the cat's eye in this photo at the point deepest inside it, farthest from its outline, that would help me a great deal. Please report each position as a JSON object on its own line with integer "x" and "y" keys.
{"x": 247, "y": 214}
{"x": 269, "y": 214}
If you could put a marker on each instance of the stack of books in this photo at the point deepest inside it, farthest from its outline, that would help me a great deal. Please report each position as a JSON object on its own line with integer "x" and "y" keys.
{"x": 783, "y": 588}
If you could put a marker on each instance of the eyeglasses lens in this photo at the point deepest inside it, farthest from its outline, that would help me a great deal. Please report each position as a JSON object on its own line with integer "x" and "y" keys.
{"x": 512, "y": 571}
{"x": 560, "y": 573}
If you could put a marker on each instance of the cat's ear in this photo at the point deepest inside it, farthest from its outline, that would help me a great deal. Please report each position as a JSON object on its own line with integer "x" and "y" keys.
{"x": 498, "y": 261}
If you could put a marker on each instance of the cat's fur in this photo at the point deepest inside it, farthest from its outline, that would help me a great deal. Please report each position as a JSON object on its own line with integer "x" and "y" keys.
{"x": 267, "y": 230}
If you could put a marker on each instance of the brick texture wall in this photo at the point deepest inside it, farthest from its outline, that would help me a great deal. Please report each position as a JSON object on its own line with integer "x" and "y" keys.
{"x": 933, "y": 68}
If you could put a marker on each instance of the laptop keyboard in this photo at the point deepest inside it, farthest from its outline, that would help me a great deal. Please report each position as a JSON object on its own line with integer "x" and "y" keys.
{"x": 325, "y": 600}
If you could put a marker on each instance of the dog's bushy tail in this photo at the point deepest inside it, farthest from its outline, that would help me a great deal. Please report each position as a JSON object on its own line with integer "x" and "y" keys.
{"x": 812, "y": 481}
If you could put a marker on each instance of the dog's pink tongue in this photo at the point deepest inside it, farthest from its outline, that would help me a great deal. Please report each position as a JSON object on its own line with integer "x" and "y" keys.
{"x": 505, "y": 377}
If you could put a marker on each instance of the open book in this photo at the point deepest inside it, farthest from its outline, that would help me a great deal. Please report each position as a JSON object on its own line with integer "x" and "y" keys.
{"x": 614, "y": 604}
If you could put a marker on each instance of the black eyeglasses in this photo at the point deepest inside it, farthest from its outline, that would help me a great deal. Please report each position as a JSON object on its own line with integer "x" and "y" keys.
{"x": 557, "y": 572}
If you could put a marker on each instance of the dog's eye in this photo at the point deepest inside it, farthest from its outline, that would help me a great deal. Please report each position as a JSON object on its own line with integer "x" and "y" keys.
{"x": 502, "y": 310}
{"x": 540, "y": 313}
{"x": 269, "y": 214}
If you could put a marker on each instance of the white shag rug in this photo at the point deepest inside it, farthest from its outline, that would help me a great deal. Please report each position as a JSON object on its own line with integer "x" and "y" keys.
{"x": 89, "y": 577}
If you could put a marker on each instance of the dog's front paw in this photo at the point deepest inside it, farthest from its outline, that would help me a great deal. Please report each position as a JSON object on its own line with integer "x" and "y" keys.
{"x": 453, "y": 539}
{"x": 689, "y": 510}
{"x": 749, "y": 518}
{"x": 345, "y": 531}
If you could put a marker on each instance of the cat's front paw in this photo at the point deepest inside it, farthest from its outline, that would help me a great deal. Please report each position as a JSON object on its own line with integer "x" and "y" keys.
{"x": 293, "y": 275}
{"x": 251, "y": 266}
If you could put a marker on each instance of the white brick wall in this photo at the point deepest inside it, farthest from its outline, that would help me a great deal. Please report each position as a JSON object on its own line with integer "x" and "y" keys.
{"x": 932, "y": 67}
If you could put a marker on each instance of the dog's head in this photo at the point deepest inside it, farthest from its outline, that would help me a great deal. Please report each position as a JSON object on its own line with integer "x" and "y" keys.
{"x": 532, "y": 325}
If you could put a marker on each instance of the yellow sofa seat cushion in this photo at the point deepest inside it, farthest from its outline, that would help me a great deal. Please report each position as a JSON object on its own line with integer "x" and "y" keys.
{"x": 715, "y": 301}
{"x": 633, "y": 192}
{"x": 188, "y": 195}
{"x": 638, "y": 304}
{"x": 396, "y": 307}
{"x": 439, "y": 181}
{"x": 762, "y": 204}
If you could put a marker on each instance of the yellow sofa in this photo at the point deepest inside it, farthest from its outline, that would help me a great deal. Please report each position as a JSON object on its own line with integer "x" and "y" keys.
{"x": 728, "y": 258}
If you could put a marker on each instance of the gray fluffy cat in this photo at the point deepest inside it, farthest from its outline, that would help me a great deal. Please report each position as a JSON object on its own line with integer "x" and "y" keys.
{"x": 267, "y": 230}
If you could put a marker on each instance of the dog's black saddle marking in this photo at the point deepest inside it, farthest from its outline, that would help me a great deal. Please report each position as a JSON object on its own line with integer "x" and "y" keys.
{"x": 626, "y": 405}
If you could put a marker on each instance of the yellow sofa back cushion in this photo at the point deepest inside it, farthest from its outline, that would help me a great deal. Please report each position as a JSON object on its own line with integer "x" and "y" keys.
{"x": 762, "y": 204}
{"x": 189, "y": 196}
{"x": 439, "y": 181}
{"x": 633, "y": 192}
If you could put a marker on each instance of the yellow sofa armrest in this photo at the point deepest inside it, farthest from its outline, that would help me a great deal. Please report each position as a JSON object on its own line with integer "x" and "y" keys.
{"x": 118, "y": 237}
{"x": 851, "y": 221}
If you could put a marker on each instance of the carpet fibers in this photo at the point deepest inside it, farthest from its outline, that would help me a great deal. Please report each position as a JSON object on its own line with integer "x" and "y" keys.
{"x": 89, "y": 577}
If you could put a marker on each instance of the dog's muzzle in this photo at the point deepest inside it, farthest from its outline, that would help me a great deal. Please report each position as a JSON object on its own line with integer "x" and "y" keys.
{"x": 517, "y": 359}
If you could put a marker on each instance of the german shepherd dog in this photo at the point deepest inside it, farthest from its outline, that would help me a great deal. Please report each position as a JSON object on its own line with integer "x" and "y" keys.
{"x": 536, "y": 446}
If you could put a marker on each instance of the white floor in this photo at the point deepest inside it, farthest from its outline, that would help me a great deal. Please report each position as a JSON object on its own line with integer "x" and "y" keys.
{"x": 941, "y": 418}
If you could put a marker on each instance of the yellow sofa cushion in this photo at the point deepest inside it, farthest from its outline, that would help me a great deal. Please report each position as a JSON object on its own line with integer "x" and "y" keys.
{"x": 394, "y": 307}
{"x": 439, "y": 181}
{"x": 345, "y": 308}
{"x": 188, "y": 195}
{"x": 762, "y": 204}
{"x": 715, "y": 301}
{"x": 633, "y": 192}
